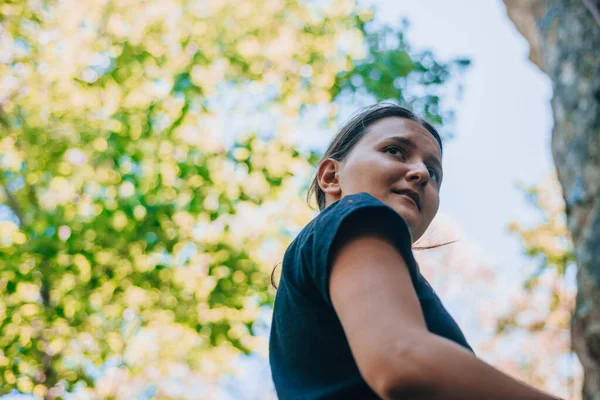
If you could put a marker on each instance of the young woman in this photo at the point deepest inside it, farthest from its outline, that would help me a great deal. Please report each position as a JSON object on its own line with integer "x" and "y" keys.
{"x": 354, "y": 318}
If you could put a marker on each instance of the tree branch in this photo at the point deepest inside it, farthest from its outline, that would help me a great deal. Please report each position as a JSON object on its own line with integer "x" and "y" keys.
{"x": 593, "y": 9}
{"x": 14, "y": 205}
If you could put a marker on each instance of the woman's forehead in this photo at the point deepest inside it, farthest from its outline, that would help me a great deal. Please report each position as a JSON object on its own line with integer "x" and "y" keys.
{"x": 401, "y": 128}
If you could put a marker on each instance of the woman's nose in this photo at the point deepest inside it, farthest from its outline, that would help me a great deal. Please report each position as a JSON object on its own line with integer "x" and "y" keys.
{"x": 418, "y": 173}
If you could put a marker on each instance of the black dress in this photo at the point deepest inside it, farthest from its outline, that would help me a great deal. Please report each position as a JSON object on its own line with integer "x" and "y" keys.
{"x": 308, "y": 352}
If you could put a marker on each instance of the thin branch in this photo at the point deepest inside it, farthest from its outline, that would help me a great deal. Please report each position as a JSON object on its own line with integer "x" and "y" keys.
{"x": 3, "y": 117}
{"x": 593, "y": 9}
{"x": 14, "y": 205}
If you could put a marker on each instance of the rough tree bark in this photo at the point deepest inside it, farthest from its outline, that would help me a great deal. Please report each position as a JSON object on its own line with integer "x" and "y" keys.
{"x": 565, "y": 44}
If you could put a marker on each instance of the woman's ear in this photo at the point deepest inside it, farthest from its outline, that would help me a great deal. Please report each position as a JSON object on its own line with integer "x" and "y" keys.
{"x": 328, "y": 178}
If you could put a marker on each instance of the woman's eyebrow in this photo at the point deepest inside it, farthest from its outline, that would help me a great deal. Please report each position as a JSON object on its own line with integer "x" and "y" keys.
{"x": 409, "y": 143}
{"x": 405, "y": 141}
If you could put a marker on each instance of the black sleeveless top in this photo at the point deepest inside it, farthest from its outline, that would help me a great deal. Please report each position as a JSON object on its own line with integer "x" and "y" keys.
{"x": 308, "y": 352}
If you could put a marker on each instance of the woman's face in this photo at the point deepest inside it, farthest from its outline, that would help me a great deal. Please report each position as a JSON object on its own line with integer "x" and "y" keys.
{"x": 397, "y": 161}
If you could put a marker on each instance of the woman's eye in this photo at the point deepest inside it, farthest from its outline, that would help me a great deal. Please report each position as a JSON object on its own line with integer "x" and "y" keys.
{"x": 434, "y": 175}
{"x": 393, "y": 150}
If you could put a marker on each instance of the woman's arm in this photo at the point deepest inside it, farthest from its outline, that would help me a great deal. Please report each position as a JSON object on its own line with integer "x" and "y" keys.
{"x": 373, "y": 296}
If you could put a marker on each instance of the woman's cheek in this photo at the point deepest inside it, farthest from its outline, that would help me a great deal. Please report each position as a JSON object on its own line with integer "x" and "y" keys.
{"x": 434, "y": 204}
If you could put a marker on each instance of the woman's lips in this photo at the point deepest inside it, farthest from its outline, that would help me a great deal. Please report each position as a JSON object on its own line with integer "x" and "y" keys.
{"x": 410, "y": 194}
{"x": 410, "y": 199}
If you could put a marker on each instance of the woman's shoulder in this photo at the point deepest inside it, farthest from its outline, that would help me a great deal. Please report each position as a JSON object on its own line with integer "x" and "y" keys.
{"x": 329, "y": 218}
{"x": 347, "y": 205}
{"x": 354, "y": 200}
{"x": 334, "y": 211}
{"x": 350, "y": 212}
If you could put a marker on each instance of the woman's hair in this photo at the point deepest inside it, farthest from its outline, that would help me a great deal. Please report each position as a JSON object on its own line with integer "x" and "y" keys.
{"x": 354, "y": 130}
{"x": 351, "y": 133}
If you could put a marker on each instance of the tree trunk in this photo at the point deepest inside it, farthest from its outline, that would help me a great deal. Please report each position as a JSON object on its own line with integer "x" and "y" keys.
{"x": 565, "y": 43}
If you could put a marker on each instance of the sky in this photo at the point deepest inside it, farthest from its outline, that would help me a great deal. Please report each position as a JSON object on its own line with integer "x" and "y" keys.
{"x": 503, "y": 122}
{"x": 502, "y": 128}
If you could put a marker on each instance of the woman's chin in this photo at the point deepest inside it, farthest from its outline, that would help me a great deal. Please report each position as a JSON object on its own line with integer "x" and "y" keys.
{"x": 406, "y": 207}
{"x": 409, "y": 214}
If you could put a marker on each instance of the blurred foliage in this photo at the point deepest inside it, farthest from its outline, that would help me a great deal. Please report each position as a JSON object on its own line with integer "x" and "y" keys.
{"x": 129, "y": 208}
{"x": 544, "y": 308}
{"x": 549, "y": 245}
